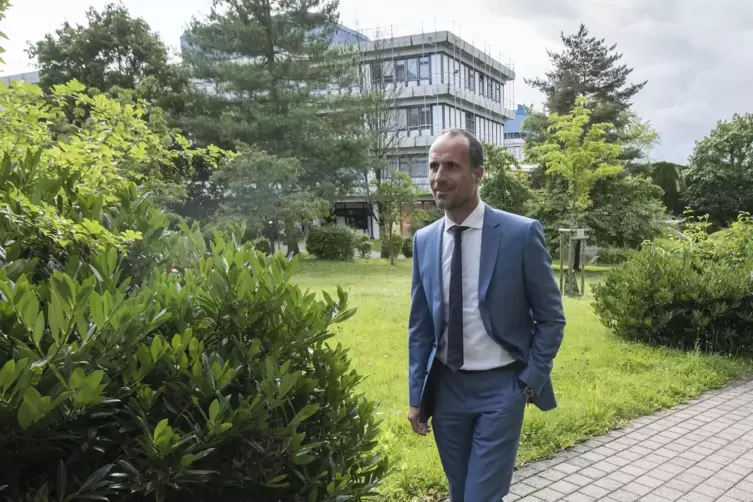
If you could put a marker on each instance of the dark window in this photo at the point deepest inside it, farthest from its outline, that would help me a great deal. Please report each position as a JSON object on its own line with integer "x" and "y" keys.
{"x": 481, "y": 85}
{"x": 382, "y": 72}
{"x": 497, "y": 92}
{"x": 399, "y": 71}
{"x": 470, "y": 78}
{"x": 424, "y": 117}
{"x": 413, "y": 118}
{"x": 470, "y": 122}
{"x": 423, "y": 68}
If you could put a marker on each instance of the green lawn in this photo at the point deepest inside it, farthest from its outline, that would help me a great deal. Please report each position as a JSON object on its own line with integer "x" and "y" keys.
{"x": 601, "y": 381}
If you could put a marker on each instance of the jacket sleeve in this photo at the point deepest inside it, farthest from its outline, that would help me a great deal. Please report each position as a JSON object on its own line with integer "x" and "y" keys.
{"x": 545, "y": 301}
{"x": 420, "y": 331}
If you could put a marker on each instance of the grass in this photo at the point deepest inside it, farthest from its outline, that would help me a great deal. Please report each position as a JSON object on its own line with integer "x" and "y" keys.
{"x": 601, "y": 381}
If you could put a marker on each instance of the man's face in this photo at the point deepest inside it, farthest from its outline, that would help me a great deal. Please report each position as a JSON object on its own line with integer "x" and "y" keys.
{"x": 453, "y": 182}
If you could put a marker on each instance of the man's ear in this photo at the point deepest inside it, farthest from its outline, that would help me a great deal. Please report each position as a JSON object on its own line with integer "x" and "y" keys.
{"x": 479, "y": 174}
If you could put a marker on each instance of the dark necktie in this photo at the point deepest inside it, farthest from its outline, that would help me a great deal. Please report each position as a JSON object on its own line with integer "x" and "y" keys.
{"x": 455, "y": 320}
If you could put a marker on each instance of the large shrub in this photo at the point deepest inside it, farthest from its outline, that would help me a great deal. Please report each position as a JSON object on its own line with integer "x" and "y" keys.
{"x": 422, "y": 218}
{"x": 612, "y": 256}
{"x": 138, "y": 363}
{"x": 331, "y": 243}
{"x": 695, "y": 294}
{"x": 363, "y": 246}
{"x": 408, "y": 247}
{"x": 391, "y": 245}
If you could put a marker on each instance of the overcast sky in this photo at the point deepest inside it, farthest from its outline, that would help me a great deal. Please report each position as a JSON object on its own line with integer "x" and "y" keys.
{"x": 698, "y": 59}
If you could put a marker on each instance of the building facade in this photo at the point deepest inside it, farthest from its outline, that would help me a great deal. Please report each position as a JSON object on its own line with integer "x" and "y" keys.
{"x": 433, "y": 82}
{"x": 31, "y": 77}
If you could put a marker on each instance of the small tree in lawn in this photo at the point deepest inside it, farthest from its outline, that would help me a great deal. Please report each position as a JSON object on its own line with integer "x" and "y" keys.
{"x": 580, "y": 154}
{"x": 395, "y": 197}
{"x": 504, "y": 186}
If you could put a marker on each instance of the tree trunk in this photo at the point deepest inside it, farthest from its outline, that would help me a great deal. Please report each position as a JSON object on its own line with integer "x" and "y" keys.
{"x": 577, "y": 251}
{"x": 291, "y": 238}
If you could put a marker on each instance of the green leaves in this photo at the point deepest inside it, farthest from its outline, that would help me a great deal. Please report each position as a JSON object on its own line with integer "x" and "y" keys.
{"x": 34, "y": 408}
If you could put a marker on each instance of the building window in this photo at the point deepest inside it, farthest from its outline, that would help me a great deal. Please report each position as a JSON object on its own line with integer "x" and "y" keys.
{"x": 400, "y": 71}
{"x": 382, "y": 72}
{"x": 411, "y": 71}
{"x": 470, "y": 123}
{"x": 416, "y": 166}
{"x": 481, "y": 85}
{"x": 490, "y": 88}
{"x": 418, "y": 117}
{"x": 424, "y": 70}
{"x": 497, "y": 92}
{"x": 470, "y": 78}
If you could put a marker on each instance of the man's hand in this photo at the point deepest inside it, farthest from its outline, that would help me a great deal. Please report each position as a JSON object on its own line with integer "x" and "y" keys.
{"x": 414, "y": 417}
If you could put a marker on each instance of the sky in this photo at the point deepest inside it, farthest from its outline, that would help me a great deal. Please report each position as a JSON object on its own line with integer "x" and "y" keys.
{"x": 698, "y": 59}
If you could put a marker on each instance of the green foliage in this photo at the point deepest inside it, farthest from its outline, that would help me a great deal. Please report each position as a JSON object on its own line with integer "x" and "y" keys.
{"x": 4, "y": 4}
{"x": 504, "y": 185}
{"x": 695, "y": 294}
{"x": 138, "y": 362}
{"x": 262, "y": 245}
{"x": 720, "y": 175}
{"x": 422, "y": 218}
{"x": 396, "y": 196}
{"x": 589, "y": 67}
{"x": 264, "y": 188}
{"x": 613, "y": 256}
{"x": 331, "y": 242}
{"x": 363, "y": 246}
{"x": 86, "y": 135}
{"x": 625, "y": 211}
{"x": 407, "y": 247}
{"x": 670, "y": 178}
{"x": 112, "y": 50}
{"x": 579, "y": 153}
{"x": 391, "y": 245}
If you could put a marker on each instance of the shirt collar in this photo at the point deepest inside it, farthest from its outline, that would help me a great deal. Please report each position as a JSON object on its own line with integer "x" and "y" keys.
{"x": 474, "y": 220}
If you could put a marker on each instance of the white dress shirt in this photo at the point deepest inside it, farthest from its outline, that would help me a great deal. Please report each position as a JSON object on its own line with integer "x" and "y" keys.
{"x": 480, "y": 351}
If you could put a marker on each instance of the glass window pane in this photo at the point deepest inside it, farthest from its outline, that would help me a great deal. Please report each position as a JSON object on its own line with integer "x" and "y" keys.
{"x": 424, "y": 67}
{"x": 412, "y": 118}
{"x": 411, "y": 72}
{"x": 420, "y": 167}
{"x": 402, "y": 121}
{"x": 425, "y": 117}
{"x": 399, "y": 71}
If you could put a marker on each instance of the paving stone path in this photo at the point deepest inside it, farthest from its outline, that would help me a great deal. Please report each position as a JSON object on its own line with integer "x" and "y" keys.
{"x": 698, "y": 452}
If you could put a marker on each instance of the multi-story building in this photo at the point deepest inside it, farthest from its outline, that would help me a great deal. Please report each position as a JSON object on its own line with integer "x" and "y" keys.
{"x": 31, "y": 77}
{"x": 434, "y": 81}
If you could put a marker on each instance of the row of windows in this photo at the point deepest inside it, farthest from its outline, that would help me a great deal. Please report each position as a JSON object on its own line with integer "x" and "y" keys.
{"x": 401, "y": 70}
{"x": 415, "y": 69}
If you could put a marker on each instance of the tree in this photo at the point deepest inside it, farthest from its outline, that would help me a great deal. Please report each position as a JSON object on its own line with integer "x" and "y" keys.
{"x": 719, "y": 177}
{"x": 577, "y": 151}
{"x": 112, "y": 50}
{"x": 263, "y": 190}
{"x": 670, "y": 178}
{"x": 588, "y": 67}
{"x": 4, "y": 4}
{"x": 275, "y": 82}
{"x": 396, "y": 196}
{"x": 504, "y": 186}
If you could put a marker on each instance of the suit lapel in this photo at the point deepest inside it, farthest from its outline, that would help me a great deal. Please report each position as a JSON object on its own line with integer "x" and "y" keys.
{"x": 437, "y": 245}
{"x": 491, "y": 237}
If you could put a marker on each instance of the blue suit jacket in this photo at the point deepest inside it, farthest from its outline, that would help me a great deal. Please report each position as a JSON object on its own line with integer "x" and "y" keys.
{"x": 519, "y": 300}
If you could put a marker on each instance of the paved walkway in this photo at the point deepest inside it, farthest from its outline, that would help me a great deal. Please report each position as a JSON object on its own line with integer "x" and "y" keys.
{"x": 698, "y": 452}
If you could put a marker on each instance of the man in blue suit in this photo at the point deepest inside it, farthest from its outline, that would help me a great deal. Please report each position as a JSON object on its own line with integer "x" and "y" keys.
{"x": 486, "y": 322}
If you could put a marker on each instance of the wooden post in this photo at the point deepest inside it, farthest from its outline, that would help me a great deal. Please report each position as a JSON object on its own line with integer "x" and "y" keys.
{"x": 582, "y": 268}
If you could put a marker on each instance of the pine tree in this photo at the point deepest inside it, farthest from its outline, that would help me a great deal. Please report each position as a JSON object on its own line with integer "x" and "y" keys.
{"x": 274, "y": 81}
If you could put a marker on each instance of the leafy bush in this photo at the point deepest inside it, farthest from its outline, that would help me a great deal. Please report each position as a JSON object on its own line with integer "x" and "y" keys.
{"x": 391, "y": 245}
{"x": 138, "y": 363}
{"x": 612, "y": 256}
{"x": 262, "y": 245}
{"x": 696, "y": 294}
{"x": 363, "y": 245}
{"x": 408, "y": 247}
{"x": 421, "y": 218}
{"x": 331, "y": 243}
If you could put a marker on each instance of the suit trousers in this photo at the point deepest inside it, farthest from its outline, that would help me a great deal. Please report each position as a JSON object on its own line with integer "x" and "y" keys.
{"x": 477, "y": 423}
